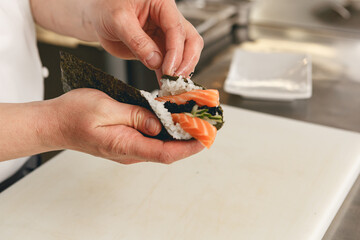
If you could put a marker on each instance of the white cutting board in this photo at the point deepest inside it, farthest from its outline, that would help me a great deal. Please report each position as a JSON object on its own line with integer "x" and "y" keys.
{"x": 264, "y": 178}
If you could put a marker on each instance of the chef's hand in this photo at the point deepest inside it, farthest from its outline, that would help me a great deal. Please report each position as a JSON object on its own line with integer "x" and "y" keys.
{"x": 92, "y": 122}
{"x": 153, "y": 31}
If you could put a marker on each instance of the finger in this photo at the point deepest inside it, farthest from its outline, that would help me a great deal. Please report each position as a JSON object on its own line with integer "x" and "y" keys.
{"x": 159, "y": 74}
{"x": 171, "y": 24}
{"x": 128, "y": 29}
{"x": 126, "y": 145}
{"x": 141, "y": 119}
{"x": 177, "y": 150}
{"x": 127, "y": 161}
{"x": 192, "y": 50}
{"x": 148, "y": 149}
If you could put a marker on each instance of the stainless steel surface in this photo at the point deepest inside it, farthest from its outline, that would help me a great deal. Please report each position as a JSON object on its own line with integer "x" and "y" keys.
{"x": 335, "y": 56}
{"x": 315, "y": 14}
{"x": 207, "y": 14}
{"x": 335, "y": 101}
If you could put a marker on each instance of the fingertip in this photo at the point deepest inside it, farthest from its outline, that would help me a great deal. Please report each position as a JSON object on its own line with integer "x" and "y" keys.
{"x": 159, "y": 75}
{"x": 185, "y": 73}
{"x": 168, "y": 67}
{"x": 194, "y": 44}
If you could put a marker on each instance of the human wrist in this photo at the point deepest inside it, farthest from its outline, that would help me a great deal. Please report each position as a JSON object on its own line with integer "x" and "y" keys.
{"x": 47, "y": 126}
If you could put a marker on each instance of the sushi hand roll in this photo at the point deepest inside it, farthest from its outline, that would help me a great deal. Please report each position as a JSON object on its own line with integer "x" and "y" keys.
{"x": 185, "y": 109}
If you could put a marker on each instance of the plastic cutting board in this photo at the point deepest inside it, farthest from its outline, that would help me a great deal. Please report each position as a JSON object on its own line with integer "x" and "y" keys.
{"x": 264, "y": 178}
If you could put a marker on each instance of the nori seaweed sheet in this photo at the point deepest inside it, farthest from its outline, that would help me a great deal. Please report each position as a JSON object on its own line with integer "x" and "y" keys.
{"x": 76, "y": 73}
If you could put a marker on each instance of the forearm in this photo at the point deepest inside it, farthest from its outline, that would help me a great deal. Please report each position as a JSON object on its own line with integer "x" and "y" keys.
{"x": 26, "y": 129}
{"x": 65, "y": 17}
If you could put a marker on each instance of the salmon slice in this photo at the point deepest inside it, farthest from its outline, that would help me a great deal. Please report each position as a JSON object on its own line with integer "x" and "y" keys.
{"x": 208, "y": 97}
{"x": 198, "y": 128}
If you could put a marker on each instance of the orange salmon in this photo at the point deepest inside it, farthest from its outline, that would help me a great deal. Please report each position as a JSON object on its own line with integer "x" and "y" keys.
{"x": 198, "y": 128}
{"x": 208, "y": 97}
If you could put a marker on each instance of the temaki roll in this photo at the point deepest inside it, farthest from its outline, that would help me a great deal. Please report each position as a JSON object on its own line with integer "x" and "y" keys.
{"x": 185, "y": 109}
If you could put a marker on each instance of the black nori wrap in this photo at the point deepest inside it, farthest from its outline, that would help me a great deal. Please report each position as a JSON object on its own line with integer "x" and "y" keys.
{"x": 76, "y": 73}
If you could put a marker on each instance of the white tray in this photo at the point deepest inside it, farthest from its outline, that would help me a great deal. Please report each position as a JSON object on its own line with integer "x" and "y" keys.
{"x": 270, "y": 76}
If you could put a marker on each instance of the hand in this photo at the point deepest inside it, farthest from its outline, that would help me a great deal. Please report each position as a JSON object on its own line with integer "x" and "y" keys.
{"x": 90, "y": 121}
{"x": 153, "y": 31}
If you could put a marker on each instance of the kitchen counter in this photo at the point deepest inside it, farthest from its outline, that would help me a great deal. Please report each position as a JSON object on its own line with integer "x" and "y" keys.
{"x": 335, "y": 103}
{"x": 276, "y": 181}
{"x": 335, "y": 100}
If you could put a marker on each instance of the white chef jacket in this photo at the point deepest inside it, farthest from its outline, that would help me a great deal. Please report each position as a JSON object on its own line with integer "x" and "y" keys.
{"x": 20, "y": 67}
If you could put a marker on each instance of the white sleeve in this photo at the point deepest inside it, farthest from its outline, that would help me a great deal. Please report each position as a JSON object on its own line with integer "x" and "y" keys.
{"x": 20, "y": 67}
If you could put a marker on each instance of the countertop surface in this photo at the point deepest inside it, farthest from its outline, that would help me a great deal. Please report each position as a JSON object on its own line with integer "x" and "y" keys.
{"x": 265, "y": 177}
{"x": 310, "y": 26}
{"x": 335, "y": 101}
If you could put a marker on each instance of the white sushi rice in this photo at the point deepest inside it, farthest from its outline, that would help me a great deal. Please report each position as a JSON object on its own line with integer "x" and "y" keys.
{"x": 170, "y": 88}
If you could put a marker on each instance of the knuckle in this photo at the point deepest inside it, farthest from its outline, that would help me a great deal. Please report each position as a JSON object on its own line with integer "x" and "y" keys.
{"x": 118, "y": 14}
{"x": 103, "y": 106}
{"x": 166, "y": 157}
{"x": 105, "y": 147}
{"x": 177, "y": 27}
{"x": 138, "y": 43}
{"x": 180, "y": 28}
{"x": 194, "y": 35}
{"x": 200, "y": 40}
{"x": 136, "y": 115}
{"x": 113, "y": 147}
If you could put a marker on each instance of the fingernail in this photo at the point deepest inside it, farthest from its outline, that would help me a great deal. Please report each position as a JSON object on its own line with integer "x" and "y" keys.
{"x": 172, "y": 72}
{"x": 154, "y": 60}
{"x": 178, "y": 73}
{"x": 151, "y": 126}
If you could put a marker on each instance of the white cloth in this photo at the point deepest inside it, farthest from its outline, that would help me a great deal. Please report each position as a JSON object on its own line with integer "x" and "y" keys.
{"x": 20, "y": 67}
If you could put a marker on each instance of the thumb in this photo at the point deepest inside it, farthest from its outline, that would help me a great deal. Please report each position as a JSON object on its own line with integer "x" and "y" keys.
{"x": 139, "y": 43}
{"x": 133, "y": 116}
{"x": 143, "y": 120}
